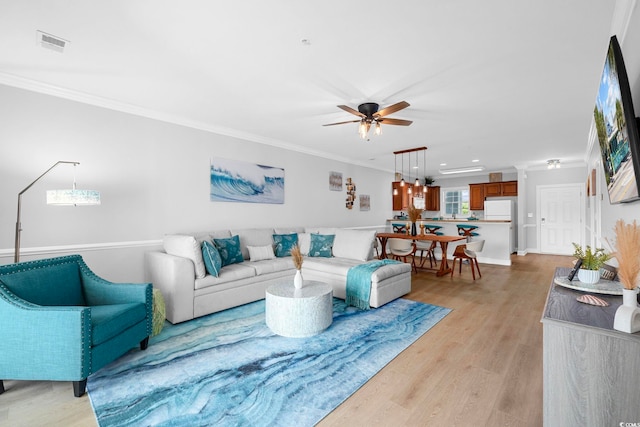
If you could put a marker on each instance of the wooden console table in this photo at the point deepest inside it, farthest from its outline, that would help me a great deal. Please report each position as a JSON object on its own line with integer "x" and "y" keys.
{"x": 443, "y": 240}
{"x": 591, "y": 371}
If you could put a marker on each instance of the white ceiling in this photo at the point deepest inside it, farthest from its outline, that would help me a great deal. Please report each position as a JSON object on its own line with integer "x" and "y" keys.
{"x": 501, "y": 81}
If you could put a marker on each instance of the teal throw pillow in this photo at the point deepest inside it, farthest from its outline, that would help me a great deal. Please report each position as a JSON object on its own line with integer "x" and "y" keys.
{"x": 229, "y": 250}
{"x": 284, "y": 243}
{"x": 212, "y": 258}
{"x": 321, "y": 245}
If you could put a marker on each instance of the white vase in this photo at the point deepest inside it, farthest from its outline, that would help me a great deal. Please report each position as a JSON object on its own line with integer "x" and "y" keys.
{"x": 589, "y": 276}
{"x": 297, "y": 280}
{"x": 627, "y": 317}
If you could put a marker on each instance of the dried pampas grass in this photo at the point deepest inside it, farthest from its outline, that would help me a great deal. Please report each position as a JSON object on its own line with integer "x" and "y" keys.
{"x": 414, "y": 213}
{"x": 297, "y": 257}
{"x": 627, "y": 247}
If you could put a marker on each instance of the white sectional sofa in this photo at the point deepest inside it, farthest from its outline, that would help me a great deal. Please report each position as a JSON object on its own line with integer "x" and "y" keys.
{"x": 189, "y": 291}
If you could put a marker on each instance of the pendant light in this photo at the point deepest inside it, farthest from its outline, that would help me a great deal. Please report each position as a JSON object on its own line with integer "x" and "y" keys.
{"x": 395, "y": 170}
{"x": 417, "y": 184}
{"x": 424, "y": 169}
{"x": 402, "y": 180}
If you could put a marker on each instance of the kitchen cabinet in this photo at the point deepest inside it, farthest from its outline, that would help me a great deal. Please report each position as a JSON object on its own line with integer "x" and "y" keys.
{"x": 479, "y": 192}
{"x": 509, "y": 188}
{"x": 493, "y": 189}
{"x": 432, "y": 199}
{"x": 403, "y": 199}
{"x": 476, "y": 197}
{"x": 400, "y": 200}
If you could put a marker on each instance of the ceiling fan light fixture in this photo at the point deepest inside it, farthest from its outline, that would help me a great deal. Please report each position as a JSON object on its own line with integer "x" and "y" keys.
{"x": 378, "y": 128}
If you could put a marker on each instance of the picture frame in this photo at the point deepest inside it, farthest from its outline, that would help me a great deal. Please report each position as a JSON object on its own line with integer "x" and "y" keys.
{"x": 233, "y": 180}
{"x": 365, "y": 202}
{"x": 335, "y": 181}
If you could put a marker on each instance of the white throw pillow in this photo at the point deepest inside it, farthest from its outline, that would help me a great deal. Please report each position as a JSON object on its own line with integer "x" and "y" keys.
{"x": 304, "y": 242}
{"x": 353, "y": 244}
{"x": 258, "y": 253}
{"x": 186, "y": 247}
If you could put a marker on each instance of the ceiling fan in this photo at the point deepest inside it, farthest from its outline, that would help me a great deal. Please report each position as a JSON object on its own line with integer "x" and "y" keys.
{"x": 369, "y": 115}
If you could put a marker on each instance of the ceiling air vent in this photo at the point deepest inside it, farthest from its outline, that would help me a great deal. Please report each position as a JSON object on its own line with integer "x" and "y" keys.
{"x": 50, "y": 41}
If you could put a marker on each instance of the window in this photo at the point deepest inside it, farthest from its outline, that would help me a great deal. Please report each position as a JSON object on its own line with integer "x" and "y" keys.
{"x": 455, "y": 201}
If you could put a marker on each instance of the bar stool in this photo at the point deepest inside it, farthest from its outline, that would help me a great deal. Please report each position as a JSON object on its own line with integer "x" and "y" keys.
{"x": 467, "y": 230}
{"x": 398, "y": 227}
{"x": 428, "y": 246}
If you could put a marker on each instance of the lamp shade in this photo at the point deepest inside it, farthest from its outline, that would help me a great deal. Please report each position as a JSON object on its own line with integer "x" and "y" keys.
{"x": 73, "y": 197}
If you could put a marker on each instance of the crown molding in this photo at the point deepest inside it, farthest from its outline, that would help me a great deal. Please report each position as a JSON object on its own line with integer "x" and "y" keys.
{"x": 111, "y": 104}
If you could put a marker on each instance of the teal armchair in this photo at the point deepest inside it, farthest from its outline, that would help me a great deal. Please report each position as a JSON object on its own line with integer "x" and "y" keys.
{"x": 61, "y": 322}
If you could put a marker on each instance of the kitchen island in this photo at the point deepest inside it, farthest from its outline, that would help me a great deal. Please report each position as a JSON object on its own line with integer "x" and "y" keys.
{"x": 498, "y": 236}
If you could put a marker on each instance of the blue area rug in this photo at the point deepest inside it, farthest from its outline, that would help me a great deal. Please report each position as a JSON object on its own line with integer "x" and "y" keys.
{"x": 228, "y": 368}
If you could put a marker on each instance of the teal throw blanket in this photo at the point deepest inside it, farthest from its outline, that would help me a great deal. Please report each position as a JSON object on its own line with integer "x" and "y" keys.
{"x": 359, "y": 282}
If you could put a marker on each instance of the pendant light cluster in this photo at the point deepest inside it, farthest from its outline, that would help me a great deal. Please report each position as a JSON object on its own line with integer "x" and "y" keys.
{"x": 416, "y": 167}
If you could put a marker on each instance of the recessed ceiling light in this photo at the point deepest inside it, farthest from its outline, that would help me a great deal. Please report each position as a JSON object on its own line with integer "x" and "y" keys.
{"x": 443, "y": 164}
{"x": 475, "y": 161}
{"x": 462, "y": 170}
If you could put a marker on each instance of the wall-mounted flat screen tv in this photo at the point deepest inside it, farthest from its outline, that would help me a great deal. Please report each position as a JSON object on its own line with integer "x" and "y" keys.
{"x": 617, "y": 129}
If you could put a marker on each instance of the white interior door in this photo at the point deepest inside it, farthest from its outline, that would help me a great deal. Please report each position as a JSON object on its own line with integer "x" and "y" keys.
{"x": 560, "y": 218}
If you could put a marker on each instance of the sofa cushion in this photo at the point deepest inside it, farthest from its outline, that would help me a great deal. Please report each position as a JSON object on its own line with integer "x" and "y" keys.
{"x": 288, "y": 230}
{"x": 321, "y": 245}
{"x": 321, "y": 230}
{"x": 273, "y": 265}
{"x": 212, "y": 258}
{"x": 107, "y": 321}
{"x": 229, "y": 250}
{"x": 253, "y": 237}
{"x": 335, "y": 266}
{"x": 284, "y": 243}
{"x": 228, "y": 274}
{"x": 355, "y": 244}
{"x": 187, "y": 247}
{"x": 259, "y": 253}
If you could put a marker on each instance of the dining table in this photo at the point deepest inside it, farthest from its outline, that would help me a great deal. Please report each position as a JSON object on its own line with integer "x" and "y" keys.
{"x": 443, "y": 240}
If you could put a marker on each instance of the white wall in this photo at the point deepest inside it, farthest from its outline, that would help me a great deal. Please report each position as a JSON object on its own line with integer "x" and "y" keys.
{"x": 154, "y": 179}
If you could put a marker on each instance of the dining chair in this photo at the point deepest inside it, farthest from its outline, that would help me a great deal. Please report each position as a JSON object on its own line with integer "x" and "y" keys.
{"x": 401, "y": 249}
{"x": 469, "y": 252}
{"x": 428, "y": 247}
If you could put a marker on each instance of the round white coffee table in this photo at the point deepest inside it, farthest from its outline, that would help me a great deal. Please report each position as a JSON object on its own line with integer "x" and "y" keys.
{"x": 298, "y": 313}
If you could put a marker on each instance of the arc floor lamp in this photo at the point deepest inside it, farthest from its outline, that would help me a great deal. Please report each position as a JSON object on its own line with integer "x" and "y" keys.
{"x": 71, "y": 197}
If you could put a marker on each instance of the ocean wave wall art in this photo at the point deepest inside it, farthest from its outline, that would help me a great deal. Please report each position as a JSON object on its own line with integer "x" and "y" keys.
{"x": 239, "y": 181}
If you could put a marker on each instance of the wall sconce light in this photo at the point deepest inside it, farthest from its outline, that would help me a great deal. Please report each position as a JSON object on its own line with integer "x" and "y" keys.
{"x": 73, "y": 197}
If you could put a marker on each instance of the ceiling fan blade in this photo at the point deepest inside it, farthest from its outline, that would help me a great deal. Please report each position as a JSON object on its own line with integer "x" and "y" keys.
{"x": 351, "y": 110}
{"x": 342, "y": 123}
{"x": 391, "y": 109}
{"x": 397, "y": 122}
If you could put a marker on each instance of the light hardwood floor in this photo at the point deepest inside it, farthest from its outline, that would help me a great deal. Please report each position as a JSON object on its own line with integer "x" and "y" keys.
{"x": 480, "y": 366}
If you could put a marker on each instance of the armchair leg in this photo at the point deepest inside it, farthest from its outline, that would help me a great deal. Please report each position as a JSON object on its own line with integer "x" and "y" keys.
{"x": 79, "y": 387}
{"x": 1, "y": 386}
{"x": 144, "y": 343}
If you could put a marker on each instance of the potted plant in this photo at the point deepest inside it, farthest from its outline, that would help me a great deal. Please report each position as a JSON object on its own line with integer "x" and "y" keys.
{"x": 592, "y": 261}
